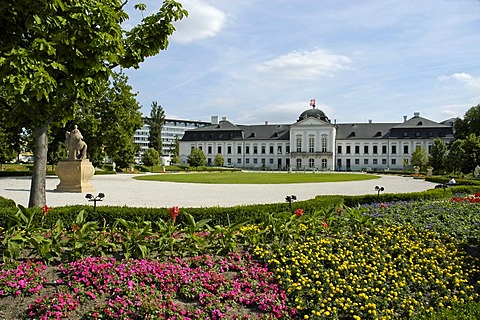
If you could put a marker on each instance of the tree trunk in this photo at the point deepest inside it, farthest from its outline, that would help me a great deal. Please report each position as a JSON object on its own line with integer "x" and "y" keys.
{"x": 39, "y": 174}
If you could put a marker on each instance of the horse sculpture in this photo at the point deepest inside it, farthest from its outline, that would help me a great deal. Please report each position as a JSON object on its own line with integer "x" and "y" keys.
{"x": 77, "y": 148}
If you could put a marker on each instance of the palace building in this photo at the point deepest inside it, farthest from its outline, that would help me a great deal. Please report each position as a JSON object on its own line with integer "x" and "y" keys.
{"x": 313, "y": 142}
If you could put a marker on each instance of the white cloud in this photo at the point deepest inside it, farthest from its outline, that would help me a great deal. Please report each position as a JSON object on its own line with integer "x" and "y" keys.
{"x": 203, "y": 21}
{"x": 469, "y": 81}
{"x": 305, "y": 64}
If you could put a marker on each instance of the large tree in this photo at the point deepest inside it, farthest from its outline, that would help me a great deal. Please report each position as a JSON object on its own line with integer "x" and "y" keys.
{"x": 419, "y": 158}
{"x": 438, "y": 153}
{"x": 109, "y": 123}
{"x": 455, "y": 155}
{"x": 156, "y": 122}
{"x": 55, "y": 55}
{"x": 471, "y": 148}
{"x": 470, "y": 124}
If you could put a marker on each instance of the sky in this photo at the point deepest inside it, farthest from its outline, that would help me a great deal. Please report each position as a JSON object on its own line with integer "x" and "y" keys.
{"x": 255, "y": 61}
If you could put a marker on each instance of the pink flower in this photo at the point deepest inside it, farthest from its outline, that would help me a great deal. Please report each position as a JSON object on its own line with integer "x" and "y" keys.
{"x": 173, "y": 212}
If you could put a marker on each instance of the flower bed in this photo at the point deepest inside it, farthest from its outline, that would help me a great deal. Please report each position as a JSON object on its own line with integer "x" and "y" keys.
{"x": 381, "y": 261}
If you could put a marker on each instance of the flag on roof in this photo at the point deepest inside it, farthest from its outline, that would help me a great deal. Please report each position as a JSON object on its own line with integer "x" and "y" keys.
{"x": 312, "y": 102}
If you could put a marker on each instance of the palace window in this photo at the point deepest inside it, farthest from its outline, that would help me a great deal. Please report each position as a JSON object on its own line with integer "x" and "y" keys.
{"x": 324, "y": 143}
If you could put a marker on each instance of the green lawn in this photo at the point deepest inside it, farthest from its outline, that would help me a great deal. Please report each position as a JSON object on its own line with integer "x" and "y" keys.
{"x": 256, "y": 177}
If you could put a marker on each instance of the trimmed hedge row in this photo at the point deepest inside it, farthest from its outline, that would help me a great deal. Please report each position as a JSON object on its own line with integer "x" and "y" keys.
{"x": 228, "y": 215}
{"x": 460, "y": 181}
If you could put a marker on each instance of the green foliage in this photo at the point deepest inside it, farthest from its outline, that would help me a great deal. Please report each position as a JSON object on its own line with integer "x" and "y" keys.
{"x": 7, "y": 203}
{"x": 471, "y": 148}
{"x": 57, "y": 55}
{"x": 151, "y": 157}
{"x": 470, "y": 124}
{"x": 196, "y": 158}
{"x": 156, "y": 122}
{"x": 455, "y": 155}
{"x": 438, "y": 153}
{"x": 419, "y": 158}
{"x": 135, "y": 238}
{"x": 219, "y": 161}
{"x": 464, "y": 154}
{"x": 458, "y": 311}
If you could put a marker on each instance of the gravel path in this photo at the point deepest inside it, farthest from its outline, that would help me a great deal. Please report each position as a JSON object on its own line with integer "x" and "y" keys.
{"x": 123, "y": 190}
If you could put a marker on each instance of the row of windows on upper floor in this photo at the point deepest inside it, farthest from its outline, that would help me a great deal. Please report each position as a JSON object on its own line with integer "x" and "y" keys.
{"x": 253, "y": 149}
{"x": 375, "y": 149}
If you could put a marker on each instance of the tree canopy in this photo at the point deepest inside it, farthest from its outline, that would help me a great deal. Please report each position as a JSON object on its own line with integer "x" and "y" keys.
{"x": 470, "y": 124}
{"x": 419, "y": 158}
{"x": 156, "y": 122}
{"x": 56, "y": 55}
{"x": 438, "y": 153}
{"x": 196, "y": 158}
{"x": 151, "y": 157}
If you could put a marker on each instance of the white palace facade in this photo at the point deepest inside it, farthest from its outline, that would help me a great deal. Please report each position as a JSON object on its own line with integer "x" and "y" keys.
{"x": 313, "y": 142}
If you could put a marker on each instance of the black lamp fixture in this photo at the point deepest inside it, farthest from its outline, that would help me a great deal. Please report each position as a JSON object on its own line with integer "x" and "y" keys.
{"x": 379, "y": 189}
{"x": 99, "y": 197}
{"x": 289, "y": 199}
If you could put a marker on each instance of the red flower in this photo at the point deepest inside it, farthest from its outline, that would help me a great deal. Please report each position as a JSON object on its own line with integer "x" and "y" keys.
{"x": 299, "y": 212}
{"x": 324, "y": 224}
{"x": 173, "y": 212}
{"x": 383, "y": 205}
{"x": 46, "y": 209}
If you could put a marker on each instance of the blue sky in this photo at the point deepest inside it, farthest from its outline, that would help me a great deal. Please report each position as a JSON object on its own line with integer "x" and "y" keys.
{"x": 256, "y": 61}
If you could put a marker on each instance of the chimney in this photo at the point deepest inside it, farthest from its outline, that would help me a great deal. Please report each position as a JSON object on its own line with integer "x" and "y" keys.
{"x": 369, "y": 120}
{"x": 214, "y": 119}
{"x": 266, "y": 122}
{"x": 404, "y": 118}
{"x": 416, "y": 114}
{"x": 224, "y": 118}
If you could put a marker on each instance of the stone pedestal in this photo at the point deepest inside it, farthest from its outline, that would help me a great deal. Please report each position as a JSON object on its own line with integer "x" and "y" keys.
{"x": 75, "y": 176}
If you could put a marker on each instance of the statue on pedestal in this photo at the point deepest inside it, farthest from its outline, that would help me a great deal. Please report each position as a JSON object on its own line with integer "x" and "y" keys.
{"x": 76, "y": 171}
{"x": 77, "y": 148}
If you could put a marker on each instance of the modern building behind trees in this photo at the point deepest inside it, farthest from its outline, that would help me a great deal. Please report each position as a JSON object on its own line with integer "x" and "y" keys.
{"x": 171, "y": 129}
{"x": 313, "y": 142}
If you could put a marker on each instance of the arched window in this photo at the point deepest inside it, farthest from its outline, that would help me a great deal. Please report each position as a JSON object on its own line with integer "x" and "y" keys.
{"x": 311, "y": 143}
{"x": 311, "y": 163}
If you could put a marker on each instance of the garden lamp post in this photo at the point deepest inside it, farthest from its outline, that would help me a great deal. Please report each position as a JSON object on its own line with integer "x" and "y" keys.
{"x": 99, "y": 197}
{"x": 289, "y": 199}
{"x": 379, "y": 189}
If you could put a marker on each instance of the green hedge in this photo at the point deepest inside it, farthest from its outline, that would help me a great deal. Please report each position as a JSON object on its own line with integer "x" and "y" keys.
{"x": 224, "y": 216}
{"x": 7, "y": 203}
{"x": 460, "y": 181}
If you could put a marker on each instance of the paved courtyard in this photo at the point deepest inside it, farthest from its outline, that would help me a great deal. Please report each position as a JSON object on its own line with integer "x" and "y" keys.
{"x": 123, "y": 190}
